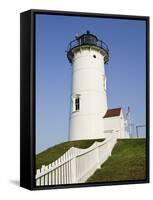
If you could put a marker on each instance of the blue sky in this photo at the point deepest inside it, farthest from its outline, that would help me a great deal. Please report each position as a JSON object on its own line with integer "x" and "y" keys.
{"x": 125, "y": 71}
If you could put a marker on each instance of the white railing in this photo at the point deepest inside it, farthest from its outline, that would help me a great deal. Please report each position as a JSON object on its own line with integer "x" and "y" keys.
{"x": 76, "y": 165}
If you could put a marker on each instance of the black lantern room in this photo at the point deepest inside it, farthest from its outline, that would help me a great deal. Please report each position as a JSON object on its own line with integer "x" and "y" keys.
{"x": 87, "y": 40}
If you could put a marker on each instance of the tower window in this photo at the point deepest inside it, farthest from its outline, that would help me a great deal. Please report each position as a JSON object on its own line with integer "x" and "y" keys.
{"x": 77, "y": 103}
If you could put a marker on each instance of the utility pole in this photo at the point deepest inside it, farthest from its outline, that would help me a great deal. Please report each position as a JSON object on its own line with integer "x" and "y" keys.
{"x": 137, "y": 129}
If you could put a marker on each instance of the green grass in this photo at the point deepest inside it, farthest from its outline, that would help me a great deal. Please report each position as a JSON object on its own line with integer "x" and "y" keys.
{"x": 53, "y": 153}
{"x": 128, "y": 162}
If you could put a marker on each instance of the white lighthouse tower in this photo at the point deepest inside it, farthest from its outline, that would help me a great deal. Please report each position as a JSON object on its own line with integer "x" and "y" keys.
{"x": 87, "y": 55}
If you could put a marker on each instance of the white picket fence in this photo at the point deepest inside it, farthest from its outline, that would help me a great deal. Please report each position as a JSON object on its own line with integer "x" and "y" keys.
{"x": 76, "y": 165}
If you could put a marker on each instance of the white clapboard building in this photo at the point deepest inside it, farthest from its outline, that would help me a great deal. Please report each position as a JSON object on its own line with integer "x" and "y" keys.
{"x": 90, "y": 116}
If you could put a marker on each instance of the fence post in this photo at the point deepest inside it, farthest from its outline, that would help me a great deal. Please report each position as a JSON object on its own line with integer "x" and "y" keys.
{"x": 109, "y": 144}
{"x": 38, "y": 180}
{"x": 97, "y": 157}
{"x": 42, "y": 179}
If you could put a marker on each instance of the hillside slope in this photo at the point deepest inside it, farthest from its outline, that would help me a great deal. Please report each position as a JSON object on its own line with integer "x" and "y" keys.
{"x": 128, "y": 162}
{"x": 53, "y": 153}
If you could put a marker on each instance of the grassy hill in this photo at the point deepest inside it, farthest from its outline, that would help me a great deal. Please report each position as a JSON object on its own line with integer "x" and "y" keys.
{"x": 53, "y": 153}
{"x": 126, "y": 163}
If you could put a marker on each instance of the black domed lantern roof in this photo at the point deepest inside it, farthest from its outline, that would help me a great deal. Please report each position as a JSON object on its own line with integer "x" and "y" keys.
{"x": 87, "y": 40}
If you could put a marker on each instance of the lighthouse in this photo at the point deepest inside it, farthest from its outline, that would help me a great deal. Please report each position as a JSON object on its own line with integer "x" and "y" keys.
{"x": 87, "y": 56}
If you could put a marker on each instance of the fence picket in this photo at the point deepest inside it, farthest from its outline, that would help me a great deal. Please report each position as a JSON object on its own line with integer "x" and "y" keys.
{"x": 56, "y": 173}
{"x": 59, "y": 172}
{"x": 53, "y": 174}
{"x": 69, "y": 173}
{"x": 42, "y": 178}
{"x": 46, "y": 176}
{"x": 50, "y": 175}
{"x": 62, "y": 171}
{"x": 66, "y": 168}
{"x": 38, "y": 180}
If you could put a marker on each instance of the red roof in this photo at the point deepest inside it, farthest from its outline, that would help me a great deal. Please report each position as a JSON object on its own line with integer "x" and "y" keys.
{"x": 113, "y": 112}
